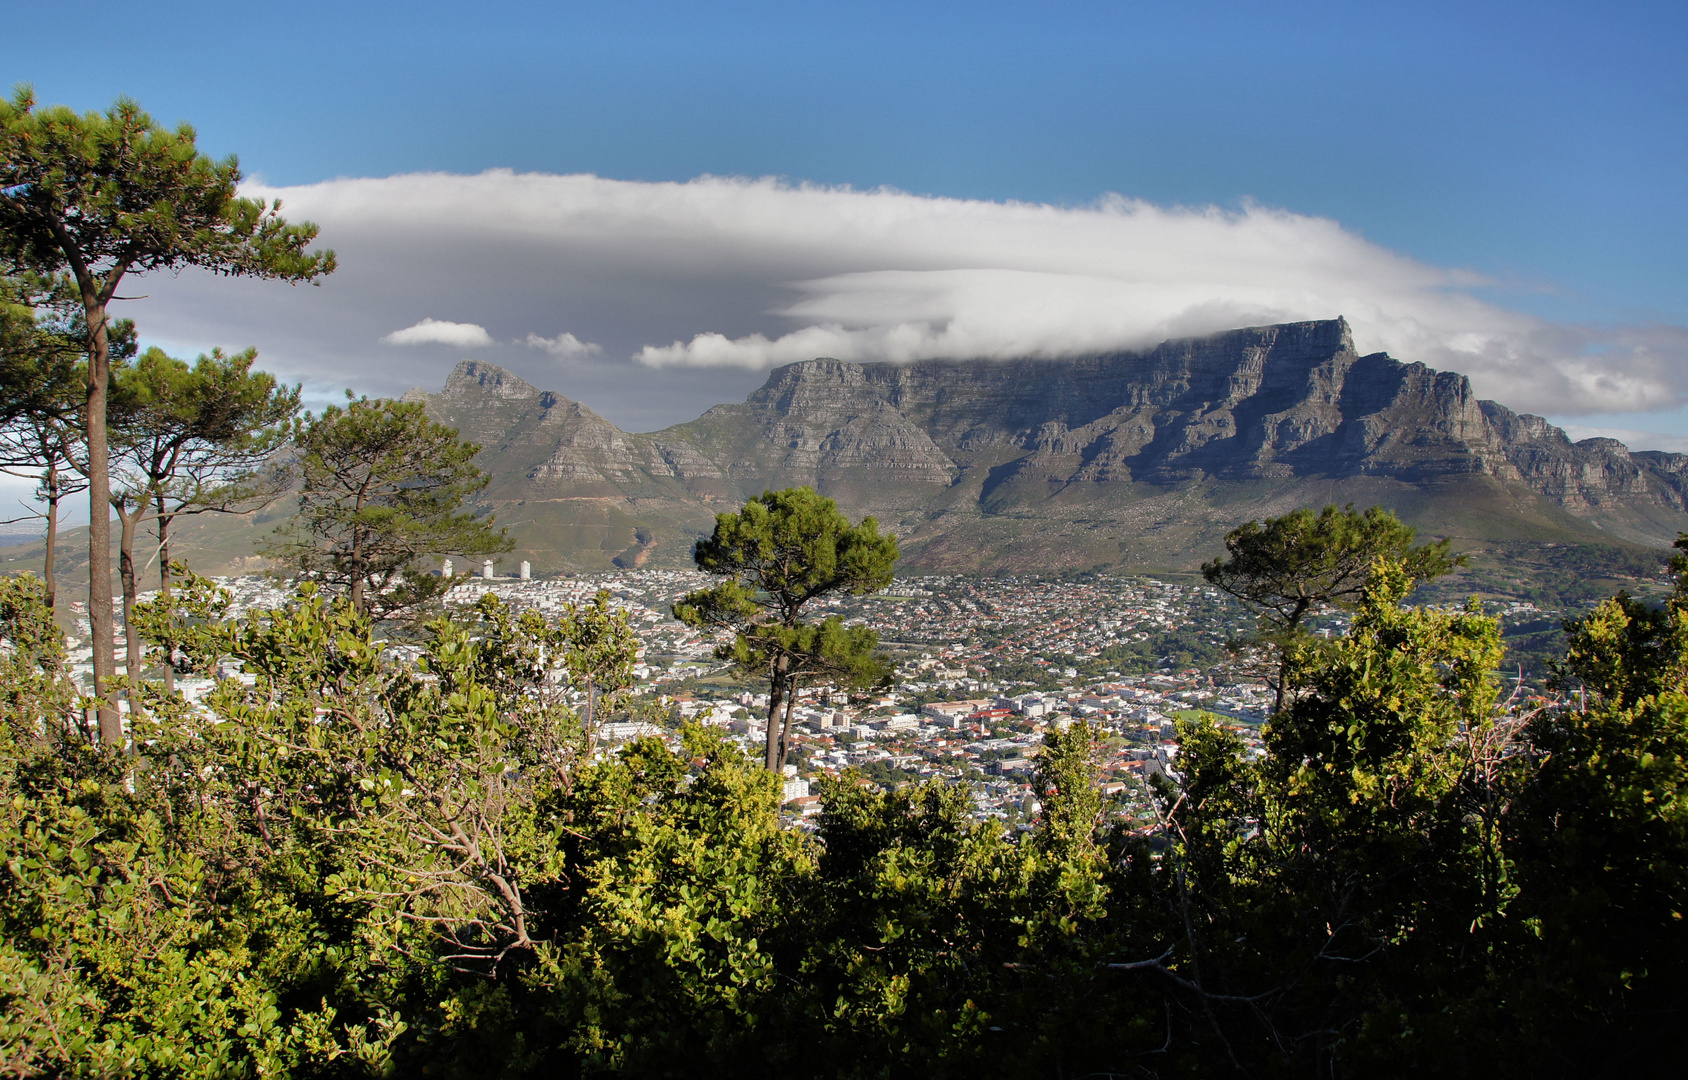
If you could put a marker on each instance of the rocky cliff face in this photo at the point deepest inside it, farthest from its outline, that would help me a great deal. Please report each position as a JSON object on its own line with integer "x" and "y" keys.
{"x": 1160, "y": 450}
{"x": 1275, "y": 402}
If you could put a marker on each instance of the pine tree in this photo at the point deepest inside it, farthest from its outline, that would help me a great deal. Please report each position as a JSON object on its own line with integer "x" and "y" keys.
{"x": 382, "y": 488}
{"x": 103, "y": 196}
{"x": 1301, "y": 564}
{"x": 43, "y": 390}
{"x": 777, "y": 556}
{"x": 191, "y": 440}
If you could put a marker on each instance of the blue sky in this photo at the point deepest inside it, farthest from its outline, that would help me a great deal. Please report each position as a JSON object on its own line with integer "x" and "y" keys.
{"x": 1540, "y": 146}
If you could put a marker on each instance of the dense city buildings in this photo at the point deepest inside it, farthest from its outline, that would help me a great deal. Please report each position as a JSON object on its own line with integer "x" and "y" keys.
{"x": 985, "y": 666}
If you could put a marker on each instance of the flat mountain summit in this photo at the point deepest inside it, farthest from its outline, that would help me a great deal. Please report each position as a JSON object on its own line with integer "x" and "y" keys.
{"x": 1132, "y": 460}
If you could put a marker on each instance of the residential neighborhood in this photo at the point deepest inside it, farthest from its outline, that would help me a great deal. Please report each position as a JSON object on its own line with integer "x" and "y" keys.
{"x": 985, "y": 666}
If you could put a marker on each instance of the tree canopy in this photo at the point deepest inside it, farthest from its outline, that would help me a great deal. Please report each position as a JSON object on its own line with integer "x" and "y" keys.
{"x": 191, "y": 439}
{"x": 779, "y": 554}
{"x": 97, "y": 197}
{"x": 1304, "y": 564}
{"x": 349, "y": 863}
{"x": 104, "y": 195}
{"x": 42, "y": 343}
{"x": 381, "y": 490}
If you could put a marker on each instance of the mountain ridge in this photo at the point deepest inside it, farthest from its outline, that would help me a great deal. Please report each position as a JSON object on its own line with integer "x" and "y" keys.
{"x": 1165, "y": 449}
{"x": 1131, "y": 460}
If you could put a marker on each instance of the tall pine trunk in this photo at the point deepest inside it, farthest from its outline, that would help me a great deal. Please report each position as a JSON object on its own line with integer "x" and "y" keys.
{"x": 49, "y": 578}
{"x": 356, "y": 563}
{"x": 785, "y": 731}
{"x": 133, "y": 658}
{"x": 99, "y": 517}
{"x": 164, "y": 588}
{"x": 777, "y": 690}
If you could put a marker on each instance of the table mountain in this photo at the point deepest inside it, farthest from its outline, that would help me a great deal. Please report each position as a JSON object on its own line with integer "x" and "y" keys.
{"x": 1131, "y": 459}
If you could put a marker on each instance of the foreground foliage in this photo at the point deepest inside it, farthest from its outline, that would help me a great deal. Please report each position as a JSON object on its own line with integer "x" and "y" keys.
{"x": 341, "y": 863}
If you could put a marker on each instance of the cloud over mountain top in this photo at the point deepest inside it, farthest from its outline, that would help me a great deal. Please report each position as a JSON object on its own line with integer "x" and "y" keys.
{"x": 717, "y": 278}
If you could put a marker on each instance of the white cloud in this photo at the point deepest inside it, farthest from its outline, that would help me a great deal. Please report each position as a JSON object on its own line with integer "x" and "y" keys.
{"x": 564, "y": 346}
{"x": 904, "y": 315}
{"x": 439, "y": 332}
{"x": 716, "y": 278}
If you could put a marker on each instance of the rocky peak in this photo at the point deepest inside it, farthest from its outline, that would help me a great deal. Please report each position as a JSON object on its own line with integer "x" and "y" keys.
{"x": 807, "y": 384}
{"x": 1289, "y": 414}
{"x": 480, "y": 378}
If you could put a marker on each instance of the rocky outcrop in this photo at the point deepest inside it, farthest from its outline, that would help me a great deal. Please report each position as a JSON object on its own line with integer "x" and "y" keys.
{"x": 815, "y": 419}
{"x": 473, "y": 378}
{"x": 1269, "y": 409}
{"x": 1581, "y": 476}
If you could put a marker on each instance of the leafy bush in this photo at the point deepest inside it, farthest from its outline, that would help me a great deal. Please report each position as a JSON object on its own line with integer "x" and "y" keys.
{"x": 341, "y": 863}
